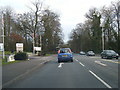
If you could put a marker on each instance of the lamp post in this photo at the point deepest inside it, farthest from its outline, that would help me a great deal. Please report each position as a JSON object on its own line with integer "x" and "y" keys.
{"x": 118, "y": 21}
{"x": 33, "y": 43}
{"x": 41, "y": 42}
{"x": 103, "y": 44}
{"x": 3, "y": 51}
{"x": 41, "y": 33}
{"x": 103, "y": 34}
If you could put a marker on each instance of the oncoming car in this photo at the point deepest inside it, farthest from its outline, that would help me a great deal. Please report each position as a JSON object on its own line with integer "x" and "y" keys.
{"x": 65, "y": 54}
{"x": 82, "y": 53}
{"x": 90, "y": 53}
{"x": 109, "y": 54}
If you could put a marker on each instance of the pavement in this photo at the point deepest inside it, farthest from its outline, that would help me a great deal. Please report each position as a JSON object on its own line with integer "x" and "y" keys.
{"x": 15, "y": 71}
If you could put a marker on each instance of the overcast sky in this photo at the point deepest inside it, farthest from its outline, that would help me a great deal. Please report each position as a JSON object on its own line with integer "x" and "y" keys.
{"x": 71, "y": 12}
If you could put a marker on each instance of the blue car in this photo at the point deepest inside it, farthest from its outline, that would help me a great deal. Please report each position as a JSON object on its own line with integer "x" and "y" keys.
{"x": 65, "y": 54}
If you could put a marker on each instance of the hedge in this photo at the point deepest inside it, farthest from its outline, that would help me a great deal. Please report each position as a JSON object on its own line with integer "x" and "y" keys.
{"x": 21, "y": 56}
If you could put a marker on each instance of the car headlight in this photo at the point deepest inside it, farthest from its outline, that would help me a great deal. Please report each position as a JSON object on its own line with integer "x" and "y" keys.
{"x": 117, "y": 54}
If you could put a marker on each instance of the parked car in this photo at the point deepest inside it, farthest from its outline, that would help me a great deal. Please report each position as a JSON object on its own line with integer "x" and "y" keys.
{"x": 65, "y": 54}
{"x": 90, "y": 53}
{"x": 109, "y": 54}
{"x": 82, "y": 53}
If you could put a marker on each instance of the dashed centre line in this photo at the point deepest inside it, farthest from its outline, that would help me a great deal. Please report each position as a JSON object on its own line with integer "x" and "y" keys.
{"x": 100, "y": 79}
{"x": 76, "y": 60}
{"x": 81, "y": 64}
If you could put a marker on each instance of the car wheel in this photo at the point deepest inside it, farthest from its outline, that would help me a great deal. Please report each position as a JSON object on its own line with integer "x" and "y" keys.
{"x": 71, "y": 60}
{"x": 116, "y": 57}
{"x": 58, "y": 61}
{"x": 102, "y": 57}
{"x": 106, "y": 57}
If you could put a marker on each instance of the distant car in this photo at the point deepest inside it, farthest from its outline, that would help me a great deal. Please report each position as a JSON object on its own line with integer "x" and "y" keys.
{"x": 65, "y": 54}
{"x": 109, "y": 54}
{"x": 90, "y": 53}
{"x": 82, "y": 53}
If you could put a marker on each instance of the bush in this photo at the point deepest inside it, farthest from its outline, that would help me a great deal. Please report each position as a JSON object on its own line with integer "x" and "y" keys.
{"x": 7, "y": 52}
{"x": 21, "y": 56}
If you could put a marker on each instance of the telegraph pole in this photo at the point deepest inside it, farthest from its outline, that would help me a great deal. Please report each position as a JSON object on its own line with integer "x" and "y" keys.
{"x": 118, "y": 21}
{"x": 3, "y": 54}
{"x": 33, "y": 43}
{"x": 41, "y": 42}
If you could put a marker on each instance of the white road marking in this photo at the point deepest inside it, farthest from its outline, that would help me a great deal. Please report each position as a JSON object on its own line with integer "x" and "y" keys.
{"x": 81, "y": 64}
{"x": 60, "y": 65}
{"x": 100, "y": 79}
{"x": 43, "y": 62}
{"x": 110, "y": 61}
{"x": 98, "y": 62}
{"x": 76, "y": 60}
{"x": 106, "y": 60}
{"x": 95, "y": 57}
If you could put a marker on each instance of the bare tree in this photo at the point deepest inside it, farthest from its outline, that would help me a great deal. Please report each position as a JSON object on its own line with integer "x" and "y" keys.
{"x": 30, "y": 22}
{"x": 9, "y": 25}
{"x": 116, "y": 6}
{"x": 37, "y": 13}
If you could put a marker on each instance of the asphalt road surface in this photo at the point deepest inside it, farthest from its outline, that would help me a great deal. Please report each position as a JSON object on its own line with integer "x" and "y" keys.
{"x": 83, "y": 72}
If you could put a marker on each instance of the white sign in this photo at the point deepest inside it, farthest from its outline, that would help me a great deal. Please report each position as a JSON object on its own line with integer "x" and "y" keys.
{"x": 11, "y": 58}
{"x": 37, "y": 48}
{"x": 19, "y": 44}
{"x": 1, "y": 46}
{"x": 19, "y": 47}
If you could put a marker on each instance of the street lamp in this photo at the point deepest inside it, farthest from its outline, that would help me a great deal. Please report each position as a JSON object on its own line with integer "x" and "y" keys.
{"x": 118, "y": 21}
{"x": 33, "y": 43}
{"x": 103, "y": 35}
{"x": 3, "y": 53}
{"x": 103, "y": 40}
{"x": 41, "y": 33}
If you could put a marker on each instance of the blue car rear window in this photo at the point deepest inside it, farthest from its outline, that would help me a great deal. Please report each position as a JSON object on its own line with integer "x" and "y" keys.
{"x": 65, "y": 51}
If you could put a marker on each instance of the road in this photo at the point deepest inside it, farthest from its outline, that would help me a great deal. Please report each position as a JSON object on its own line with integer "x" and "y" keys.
{"x": 83, "y": 72}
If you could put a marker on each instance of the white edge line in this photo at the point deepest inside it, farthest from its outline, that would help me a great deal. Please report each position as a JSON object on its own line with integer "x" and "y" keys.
{"x": 81, "y": 64}
{"x": 100, "y": 79}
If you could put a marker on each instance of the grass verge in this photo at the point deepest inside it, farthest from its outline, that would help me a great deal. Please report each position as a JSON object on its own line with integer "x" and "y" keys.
{"x": 48, "y": 54}
{"x": 4, "y": 61}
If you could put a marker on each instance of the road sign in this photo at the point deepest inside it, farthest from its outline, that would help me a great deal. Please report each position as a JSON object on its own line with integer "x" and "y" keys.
{"x": 37, "y": 48}
{"x": 19, "y": 47}
{"x": 1, "y": 46}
